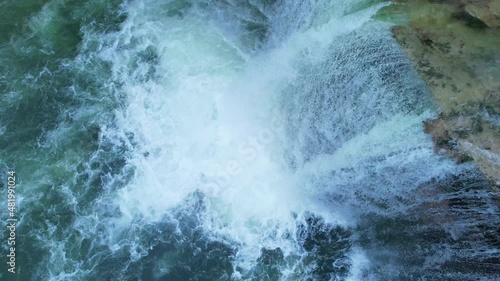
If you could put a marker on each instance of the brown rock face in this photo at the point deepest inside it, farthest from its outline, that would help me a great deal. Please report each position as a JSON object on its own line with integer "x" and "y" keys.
{"x": 444, "y": 139}
{"x": 455, "y": 47}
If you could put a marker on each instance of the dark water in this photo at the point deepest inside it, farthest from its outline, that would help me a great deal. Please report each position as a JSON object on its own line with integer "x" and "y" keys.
{"x": 228, "y": 140}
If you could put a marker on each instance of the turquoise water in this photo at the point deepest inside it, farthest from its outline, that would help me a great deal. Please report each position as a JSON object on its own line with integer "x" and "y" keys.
{"x": 225, "y": 140}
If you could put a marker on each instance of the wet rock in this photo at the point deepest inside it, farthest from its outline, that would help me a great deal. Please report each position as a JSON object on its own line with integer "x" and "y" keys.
{"x": 470, "y": 19}
{"x": 484, "y": 12}
{"x": 445, "y": 141}
{"x": 455, "y": 47}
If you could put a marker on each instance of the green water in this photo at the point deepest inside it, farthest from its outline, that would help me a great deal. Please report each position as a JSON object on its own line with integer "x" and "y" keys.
{"x": 46, "y": 136}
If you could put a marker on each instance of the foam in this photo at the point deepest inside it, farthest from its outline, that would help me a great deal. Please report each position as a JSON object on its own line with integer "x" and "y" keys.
{"x": 209, "y": 120}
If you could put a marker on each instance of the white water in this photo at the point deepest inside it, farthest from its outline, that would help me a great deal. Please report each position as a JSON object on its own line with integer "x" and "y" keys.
{"x": 236, "y": 123}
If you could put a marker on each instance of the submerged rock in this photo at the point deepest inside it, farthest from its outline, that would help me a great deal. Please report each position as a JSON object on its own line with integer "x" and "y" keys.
{"x": 455, "y": 47}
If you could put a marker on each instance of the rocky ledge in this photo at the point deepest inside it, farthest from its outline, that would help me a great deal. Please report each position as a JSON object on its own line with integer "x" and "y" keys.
{"x": 455, "y": 47}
